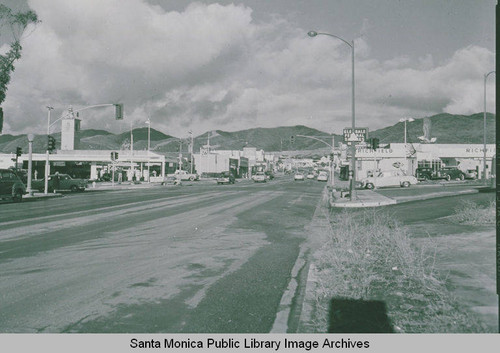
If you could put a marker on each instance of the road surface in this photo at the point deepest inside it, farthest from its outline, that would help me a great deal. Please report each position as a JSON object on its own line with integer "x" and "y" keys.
{"x": 200, "y": 258}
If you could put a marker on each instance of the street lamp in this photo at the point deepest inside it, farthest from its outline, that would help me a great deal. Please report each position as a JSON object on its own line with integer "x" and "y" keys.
{"x": 149, "y": 145}
{"x": 484, "y": 126}
{"x": 405, "y": 120}
{"x": 352, "y": 192}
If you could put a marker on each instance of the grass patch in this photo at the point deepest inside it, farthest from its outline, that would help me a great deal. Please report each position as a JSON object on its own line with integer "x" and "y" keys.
{"x": 370, "y": 257}
{"x": 469, "y": 212}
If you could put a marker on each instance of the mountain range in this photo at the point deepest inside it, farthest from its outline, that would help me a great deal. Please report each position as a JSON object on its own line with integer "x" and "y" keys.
{"x": 447, "y": 128}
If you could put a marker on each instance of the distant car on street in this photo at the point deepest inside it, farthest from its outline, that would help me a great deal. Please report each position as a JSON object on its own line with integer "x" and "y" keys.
{"x": 171, "y": 180}
{"x": 60, "y": 182}
{"x": 225, "y": 178}
{"x": 299, "y": 176}
{"x": 389, "y": 178}
{"x": 11, "y": 186}
{"x": 259, "y": 177}
{"x": 311, "y": 176}
{"x": 322, "y": 176}
{"x": 184, "y": 175}
{"x": 269, "y": 175}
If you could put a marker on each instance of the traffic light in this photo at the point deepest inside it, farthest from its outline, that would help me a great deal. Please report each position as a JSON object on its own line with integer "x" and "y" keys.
{"x": 292, "y": 139}
{"x": 19, "y": 151}
{"x": 374, "y": 142}
{"x": 118, "y": 111}
{"x": 114, "y": 156}
{"x": 51, "y": 143}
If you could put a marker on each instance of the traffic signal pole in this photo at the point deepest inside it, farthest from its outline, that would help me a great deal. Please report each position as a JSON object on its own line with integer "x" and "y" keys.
{"x": 47, "y": 165}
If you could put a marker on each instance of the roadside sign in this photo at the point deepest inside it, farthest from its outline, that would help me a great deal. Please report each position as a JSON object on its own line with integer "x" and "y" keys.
{"x": 356, "y": 135}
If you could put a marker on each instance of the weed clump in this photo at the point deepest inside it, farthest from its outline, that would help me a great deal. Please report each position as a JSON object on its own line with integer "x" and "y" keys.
{"x": 370, "y": 257}
{"x": 469, "y": 212}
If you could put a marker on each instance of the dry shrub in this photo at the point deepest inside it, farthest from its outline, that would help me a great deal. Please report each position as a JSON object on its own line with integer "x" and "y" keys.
{"x": 370, "y": 257}
{"x": 469, "y": 212}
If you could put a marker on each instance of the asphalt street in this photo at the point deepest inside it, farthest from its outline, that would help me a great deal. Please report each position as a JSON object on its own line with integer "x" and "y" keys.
{"x": 195, "y": 258}
{"x": 199, "y": 258}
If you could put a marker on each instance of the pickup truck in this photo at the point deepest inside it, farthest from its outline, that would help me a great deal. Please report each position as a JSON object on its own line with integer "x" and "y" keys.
{"x": 184, "y": 175}
{"x": 389, "y": 178}
{"x": 65, "y": 183}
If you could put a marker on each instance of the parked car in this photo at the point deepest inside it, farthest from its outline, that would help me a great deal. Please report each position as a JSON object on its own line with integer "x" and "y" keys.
{"x": 171, "y": 180}
{"x": 299, "y": 176}
{"x": 389, "y": 178}
{"x": 311, "y": 176}
{"x": 450, "y": 173}
{"x": 322, "y": 176}
{"x": 470, "y": 174}
{"x": 11, "y": 186}
{"x": 259, "y": 177}
{"x": 65, "y": 183}
{"x": 424, "y": 173}
{"x": 225, "y": 178}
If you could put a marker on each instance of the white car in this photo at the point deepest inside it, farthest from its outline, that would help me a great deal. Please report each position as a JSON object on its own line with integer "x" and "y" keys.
{"x": 311, "y": 176}
{"x": 389, "y": 178}
{"x": 259, "y": 177}
{"x": 323, "y": 176}
{"x": 298, "y": 176}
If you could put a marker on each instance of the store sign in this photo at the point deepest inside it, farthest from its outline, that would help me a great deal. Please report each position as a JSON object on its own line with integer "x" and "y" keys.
{"x": 356, "y": 135}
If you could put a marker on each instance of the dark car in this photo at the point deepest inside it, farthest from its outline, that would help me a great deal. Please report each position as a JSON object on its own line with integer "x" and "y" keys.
{"x": 11, "y": 186}
{"x": 269, "y": 175}
{"x": 450, "y": 173}
{"x": 60, "y": 182}
{"x": 424, "y": 173}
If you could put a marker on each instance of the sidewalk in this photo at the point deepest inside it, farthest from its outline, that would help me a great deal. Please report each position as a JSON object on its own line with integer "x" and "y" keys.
{"x": 40, "y": 195}
{"x": 365, "y": 198}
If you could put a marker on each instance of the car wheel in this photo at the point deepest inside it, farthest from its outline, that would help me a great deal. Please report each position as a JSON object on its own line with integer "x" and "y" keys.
{"x": 425, "y": 178}
{"x": 405, "y": 184}
{"x": 370, "y": 186}
{"x": 18, "y": 196}
{"x": 462, "y": 177}
{"x": 191, "y": 178}
{"x": 74, "y": 188}
{"x": 448, "y": 177}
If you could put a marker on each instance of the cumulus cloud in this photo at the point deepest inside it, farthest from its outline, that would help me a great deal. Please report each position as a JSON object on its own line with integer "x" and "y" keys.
{"x": 214, "y": 67}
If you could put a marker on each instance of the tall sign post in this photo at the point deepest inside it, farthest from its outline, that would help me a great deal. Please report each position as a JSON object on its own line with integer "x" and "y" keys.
{"x": 30, "y": 162}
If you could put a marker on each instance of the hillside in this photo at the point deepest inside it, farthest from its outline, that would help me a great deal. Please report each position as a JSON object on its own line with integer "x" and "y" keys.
{"x": 447, "y": 128}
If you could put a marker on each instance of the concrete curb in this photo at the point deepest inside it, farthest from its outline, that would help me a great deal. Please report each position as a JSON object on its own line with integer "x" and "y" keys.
{"x": 35, "y": 197}
{"x": 402, "y": 199}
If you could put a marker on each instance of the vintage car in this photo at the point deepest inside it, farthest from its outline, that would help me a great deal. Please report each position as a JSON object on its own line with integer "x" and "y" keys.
{"x": 259, "y": 177}
{"x": 299, "y": 176}
{"x": 11, "y": 186}
{"x": 450, "y": 173}
{"x": 322, "y": 176}
{"x": 225, "y": 178}
{"x": 389, "y": 178}
{"x": 171, "y": 180}
{"x": 60, "y": 182}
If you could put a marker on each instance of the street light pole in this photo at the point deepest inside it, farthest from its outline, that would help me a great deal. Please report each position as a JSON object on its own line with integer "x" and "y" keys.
{"x": 30, "y": 162}
{"x": 47, "y": 165}
{"x": 484, "y": 127}
{"x": 352, "y": 174}
{"x": 149, "y": 145}
{"x": 405, "y": 120}
{"x": 191, "y": 148}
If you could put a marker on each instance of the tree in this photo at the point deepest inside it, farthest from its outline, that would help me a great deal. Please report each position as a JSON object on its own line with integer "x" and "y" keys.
{"x": 17, "y": 23}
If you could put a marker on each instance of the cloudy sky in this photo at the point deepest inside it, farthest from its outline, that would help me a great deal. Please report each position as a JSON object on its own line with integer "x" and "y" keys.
{"x": 239, "y": 64}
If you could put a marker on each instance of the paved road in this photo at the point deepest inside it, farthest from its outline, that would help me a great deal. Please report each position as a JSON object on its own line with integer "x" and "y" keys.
{"x": 197, "y": 258}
